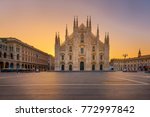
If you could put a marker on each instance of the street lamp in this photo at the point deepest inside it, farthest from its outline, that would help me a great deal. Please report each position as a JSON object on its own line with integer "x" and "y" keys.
{"x": 125, "y": 55}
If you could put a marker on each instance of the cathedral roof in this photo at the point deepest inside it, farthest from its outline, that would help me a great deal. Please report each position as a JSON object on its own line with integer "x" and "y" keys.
{"x": 82, "y": 29}
{"x": 82, "y": 26}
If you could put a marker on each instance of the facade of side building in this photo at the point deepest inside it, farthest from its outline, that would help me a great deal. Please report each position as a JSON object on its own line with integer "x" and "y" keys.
{"x": 139, "y": 63}
{"x": 17, "y": 55}
{"x": 82, "y": 50}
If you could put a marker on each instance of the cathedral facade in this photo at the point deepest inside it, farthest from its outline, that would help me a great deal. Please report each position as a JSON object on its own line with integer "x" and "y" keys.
{"x": 82, "y": 50}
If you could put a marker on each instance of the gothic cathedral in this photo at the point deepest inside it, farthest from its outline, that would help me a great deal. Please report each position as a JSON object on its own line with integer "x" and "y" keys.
{"x": 82, "y": 50}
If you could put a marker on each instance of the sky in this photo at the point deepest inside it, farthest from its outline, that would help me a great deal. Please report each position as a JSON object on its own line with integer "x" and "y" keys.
{"x": 36, "y": 21}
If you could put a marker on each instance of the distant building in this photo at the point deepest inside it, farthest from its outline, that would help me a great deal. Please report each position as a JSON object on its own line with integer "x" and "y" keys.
{"x": 82, "y": 50}
{"x": 17, "y": 55}
{"x": 140, "y": 63}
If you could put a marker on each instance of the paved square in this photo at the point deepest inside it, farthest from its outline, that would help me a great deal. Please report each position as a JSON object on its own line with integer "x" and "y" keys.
{"x": 75, "y": 85}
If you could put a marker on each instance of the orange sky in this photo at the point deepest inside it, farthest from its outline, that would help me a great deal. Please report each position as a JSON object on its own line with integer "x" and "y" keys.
{"x": 35, "y": 22}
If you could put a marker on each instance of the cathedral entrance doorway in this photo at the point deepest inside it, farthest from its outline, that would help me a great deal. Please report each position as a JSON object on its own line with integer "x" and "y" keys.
{"x": 70, "y": 67}
{"x": 62, "y": 67}
{"x": 93, "y": 67}
{"x": 81, "y": 66}
{"x": 101, "y": 67}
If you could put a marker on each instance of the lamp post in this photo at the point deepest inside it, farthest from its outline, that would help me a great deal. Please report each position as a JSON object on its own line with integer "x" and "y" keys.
{"x": 125, "y": 55}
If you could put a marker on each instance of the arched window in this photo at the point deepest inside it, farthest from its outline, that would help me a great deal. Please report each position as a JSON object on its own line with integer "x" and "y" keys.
{"x": 11, "y": 56}
{"x": 93, "y": 48}
{"x": 70, "y": 48}
{"x": 101, "y": 57}
{"x": 6, "y": 65}
{"x": 5, "y": 55}
{"x": 18, "y": 66}
{"x": 1, "y": 65}
{"x": 18, "y": 49}
{"x": 82, "y": 50}
{"x": 70, "y": 57}
{"x": 22, "y": 65}
{"x": 11, "y": 65}
{"x": 26, "y": 66}
{"x": 93, "y": 57}
{"x": 62, "y": 57}
{"x": 18, "y": 57}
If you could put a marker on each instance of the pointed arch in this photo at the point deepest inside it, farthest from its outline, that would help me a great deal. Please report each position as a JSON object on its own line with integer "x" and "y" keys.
{"x": 81, "y": 66}
{"x": 93, "y": 67}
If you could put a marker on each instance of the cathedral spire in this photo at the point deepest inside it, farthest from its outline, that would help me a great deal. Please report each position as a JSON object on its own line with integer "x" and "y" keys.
{"x": 56, "y": 37}
{"x": 57, "y": 41}
{"x": 66, "y": 30}
{"x": 139, "y": 54}
{"x": 77, "y": 22}
{"x": 105, "y": 37}
{"x": 108, "y": 38}
{"x": 74, "y": 23}
{"x": 87, "y": 22}
{"x": 90, "y": 23}
{"x": 98, "y": 31}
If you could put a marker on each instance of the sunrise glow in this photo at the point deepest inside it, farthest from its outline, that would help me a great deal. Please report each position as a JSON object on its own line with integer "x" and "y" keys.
{"x": 36, "y": 21}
